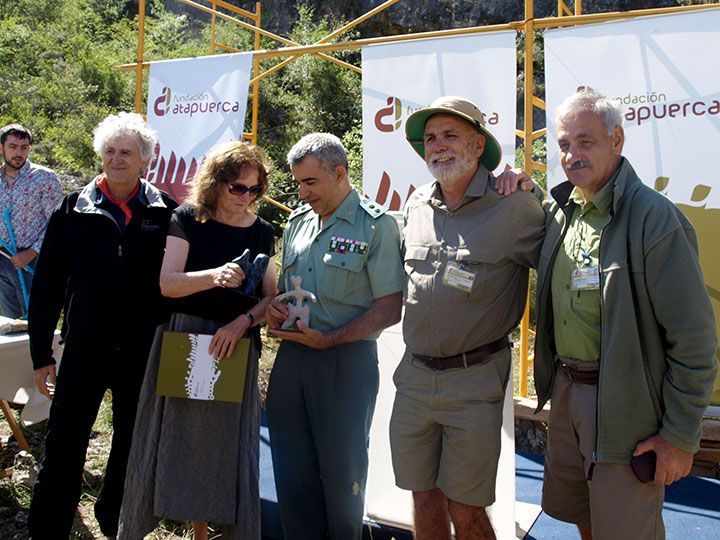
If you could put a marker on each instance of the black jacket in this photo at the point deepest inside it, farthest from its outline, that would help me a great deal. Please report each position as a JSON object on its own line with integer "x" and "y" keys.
{"x": 107, "y": 280}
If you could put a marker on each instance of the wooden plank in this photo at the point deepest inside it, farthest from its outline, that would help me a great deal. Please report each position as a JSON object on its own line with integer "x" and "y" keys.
{"x": 525, "y": 410}
{"x": 14, "y": 426}
{"x": 710, "y": 429}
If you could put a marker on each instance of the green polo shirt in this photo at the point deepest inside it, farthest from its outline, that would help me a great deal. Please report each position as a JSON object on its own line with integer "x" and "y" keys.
{"x": 353, "y": 258}
{"x": 577, "y": 313}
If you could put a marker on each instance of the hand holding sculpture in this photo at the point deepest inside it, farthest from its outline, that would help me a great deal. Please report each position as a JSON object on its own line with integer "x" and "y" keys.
{"x": 298, "y": 309}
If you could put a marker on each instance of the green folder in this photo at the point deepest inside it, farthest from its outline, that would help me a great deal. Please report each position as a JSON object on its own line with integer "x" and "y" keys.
{"x": 187, "y": 370}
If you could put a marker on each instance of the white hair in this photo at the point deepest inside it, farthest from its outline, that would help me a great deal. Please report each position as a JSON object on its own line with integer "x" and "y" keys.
{"x": 587, "y": 99}
{"x": 125, "y": 123}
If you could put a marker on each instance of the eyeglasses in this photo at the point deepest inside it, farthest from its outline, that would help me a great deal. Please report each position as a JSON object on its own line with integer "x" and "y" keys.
{"x": 242, "y": 189}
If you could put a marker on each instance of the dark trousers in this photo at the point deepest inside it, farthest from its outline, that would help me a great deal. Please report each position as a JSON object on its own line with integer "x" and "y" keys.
{"x": 320, "y": 407}
{"x": 85, "y": 374}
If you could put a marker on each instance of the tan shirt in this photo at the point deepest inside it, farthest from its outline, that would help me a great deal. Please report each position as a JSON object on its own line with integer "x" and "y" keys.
{"x": 492, "y": 237}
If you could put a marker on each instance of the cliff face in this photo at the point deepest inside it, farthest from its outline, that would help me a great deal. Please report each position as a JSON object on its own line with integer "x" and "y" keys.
{"x": 425, "y": 15}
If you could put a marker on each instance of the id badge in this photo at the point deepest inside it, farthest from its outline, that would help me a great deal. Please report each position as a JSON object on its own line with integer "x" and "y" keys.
{"x": 586, "y": 278}
{"x": 458, "y": 278}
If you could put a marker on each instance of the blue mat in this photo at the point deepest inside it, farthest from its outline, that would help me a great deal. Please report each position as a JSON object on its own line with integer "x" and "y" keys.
{"x": 691, "y": 509}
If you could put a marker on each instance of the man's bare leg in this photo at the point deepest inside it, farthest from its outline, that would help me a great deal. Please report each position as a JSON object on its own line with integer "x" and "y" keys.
{"x": 432, "y": 521}
{"x": 471, "y": 522}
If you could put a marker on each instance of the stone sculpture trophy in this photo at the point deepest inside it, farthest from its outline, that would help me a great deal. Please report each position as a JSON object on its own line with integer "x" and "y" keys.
{"x": 298, "y": 309}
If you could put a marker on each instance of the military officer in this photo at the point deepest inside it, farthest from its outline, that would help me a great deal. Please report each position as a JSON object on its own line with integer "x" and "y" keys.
{"x": 323, "y": 386}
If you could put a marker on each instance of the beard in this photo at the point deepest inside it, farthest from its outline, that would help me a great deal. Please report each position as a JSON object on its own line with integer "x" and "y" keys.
{"x": 15, "y": 163}
{"x": 463, "y": 164}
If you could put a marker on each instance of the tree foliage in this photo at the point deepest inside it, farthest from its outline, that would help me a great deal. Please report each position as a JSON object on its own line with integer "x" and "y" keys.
{"x": 59, "y": 76}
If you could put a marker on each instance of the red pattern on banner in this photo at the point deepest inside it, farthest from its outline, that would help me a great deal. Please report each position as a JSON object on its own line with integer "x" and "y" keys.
{"x": 384, "y": 191}
{"x": 172, "y": 173}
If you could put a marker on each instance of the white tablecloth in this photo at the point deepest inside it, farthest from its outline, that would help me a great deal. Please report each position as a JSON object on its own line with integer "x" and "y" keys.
{"x": 17, "y": 381}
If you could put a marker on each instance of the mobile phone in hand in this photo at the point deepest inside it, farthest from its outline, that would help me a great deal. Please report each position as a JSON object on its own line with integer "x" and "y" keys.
{"x": 644, "y": 466}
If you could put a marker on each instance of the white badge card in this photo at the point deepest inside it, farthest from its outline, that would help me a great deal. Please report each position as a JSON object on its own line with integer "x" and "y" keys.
{"x": 455, "y": 276}
{"x": 586, "y": 278}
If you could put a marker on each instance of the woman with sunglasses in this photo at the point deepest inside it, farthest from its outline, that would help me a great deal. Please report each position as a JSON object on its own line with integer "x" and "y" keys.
{"x": 191, "y": 459}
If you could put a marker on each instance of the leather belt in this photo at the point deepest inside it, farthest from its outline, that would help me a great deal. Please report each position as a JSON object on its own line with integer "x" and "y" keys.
{"x": 582, "y": 376}
{"x": 466, "y": 359}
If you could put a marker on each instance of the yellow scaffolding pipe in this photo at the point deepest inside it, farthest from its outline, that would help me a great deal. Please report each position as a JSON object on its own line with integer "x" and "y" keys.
{"x": 213, "y": 22}
{"x": 140, "y": 55}
{"x": 527, "y": 160}
{"x": 249, "y": 26}
{"x": 594, "y": 18}
{"x": 247, "y": 14}
{"x": 330, "y": 37}
{"x": 359, "y": 43}
{"x": 255, "y": 84}
{"x": 517, "y": 26}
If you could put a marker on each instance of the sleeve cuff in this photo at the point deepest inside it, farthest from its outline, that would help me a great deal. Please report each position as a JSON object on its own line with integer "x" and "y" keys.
{"x": 37, "y": 364}
{"x": 681, "y": 443}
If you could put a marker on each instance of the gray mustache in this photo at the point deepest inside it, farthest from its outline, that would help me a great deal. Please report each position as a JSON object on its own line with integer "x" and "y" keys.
{"x": 577, "y": 165}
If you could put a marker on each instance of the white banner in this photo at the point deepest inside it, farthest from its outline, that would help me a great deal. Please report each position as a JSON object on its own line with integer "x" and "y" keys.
{"x": 403, "y": 77}
{"x": 665, "y": 74}
{"x": 194, "y": 104}
{"x": 397, "y": 80}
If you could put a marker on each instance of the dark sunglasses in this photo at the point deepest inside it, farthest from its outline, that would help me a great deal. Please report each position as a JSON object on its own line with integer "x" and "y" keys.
{"x": 242, "y": 189}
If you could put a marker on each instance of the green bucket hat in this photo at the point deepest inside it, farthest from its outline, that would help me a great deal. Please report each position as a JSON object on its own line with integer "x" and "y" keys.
{"x": 467, "y": 110}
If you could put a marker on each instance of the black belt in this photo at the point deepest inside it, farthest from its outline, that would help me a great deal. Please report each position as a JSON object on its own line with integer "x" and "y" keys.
{"x": 582, "y": 376}
{"x": 466, "y": 359}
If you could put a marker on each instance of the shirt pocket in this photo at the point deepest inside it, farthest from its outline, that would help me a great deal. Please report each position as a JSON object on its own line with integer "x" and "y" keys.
{"x": 416, "y": 264}
{"x": 478, "y": 260}
{"x": 341, "y": 273}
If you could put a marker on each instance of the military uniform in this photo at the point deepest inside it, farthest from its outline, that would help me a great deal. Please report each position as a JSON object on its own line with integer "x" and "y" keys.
{"x": 321, "y": 402}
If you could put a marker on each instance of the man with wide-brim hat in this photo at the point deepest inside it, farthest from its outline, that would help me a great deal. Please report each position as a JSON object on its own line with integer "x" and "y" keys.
{"x": 467, "y": 250}
{"x": 462, "y": 108}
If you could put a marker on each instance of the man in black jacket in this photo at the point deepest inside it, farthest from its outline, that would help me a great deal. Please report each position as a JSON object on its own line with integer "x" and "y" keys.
{"x": 100, "y": 260}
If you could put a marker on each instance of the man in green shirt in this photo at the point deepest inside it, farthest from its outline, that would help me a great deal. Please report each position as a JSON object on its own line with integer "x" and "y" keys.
{"x": 325, "y": 379}
{"x": 626, "y": 341}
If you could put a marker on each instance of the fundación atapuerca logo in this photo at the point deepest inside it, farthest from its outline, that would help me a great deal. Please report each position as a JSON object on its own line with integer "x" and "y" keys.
{"x": 190, "y": 104}
{"x": 390, "y": 118}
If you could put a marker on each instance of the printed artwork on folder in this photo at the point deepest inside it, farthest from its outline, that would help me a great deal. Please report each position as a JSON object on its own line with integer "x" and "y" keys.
{"x": 188, "y": 370}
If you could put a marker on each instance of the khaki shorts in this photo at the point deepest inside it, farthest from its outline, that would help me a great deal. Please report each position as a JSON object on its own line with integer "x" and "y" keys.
{"x": 614, "y": 503}
{"x": 445, "y": 427}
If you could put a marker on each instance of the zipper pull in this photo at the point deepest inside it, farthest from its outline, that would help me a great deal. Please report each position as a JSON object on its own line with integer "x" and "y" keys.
{"x": 119, "y": 250}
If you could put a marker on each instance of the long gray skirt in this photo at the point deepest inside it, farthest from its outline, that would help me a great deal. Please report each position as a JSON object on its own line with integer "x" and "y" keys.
{"x": 192, "y": 459}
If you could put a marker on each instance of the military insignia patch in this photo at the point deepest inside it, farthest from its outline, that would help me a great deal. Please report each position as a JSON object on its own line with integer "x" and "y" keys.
{"x": 347, "y": 245}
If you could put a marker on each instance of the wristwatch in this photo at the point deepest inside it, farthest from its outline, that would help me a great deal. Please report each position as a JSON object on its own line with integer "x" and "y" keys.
{"x": 251, "y": 317}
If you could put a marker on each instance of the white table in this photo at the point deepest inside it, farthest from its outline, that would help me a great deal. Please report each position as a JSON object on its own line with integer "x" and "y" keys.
{"x": 17, "y": 381}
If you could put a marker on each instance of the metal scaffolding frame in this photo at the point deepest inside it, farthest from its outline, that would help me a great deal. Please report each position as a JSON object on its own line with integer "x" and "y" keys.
{"x": 566, "y": 17}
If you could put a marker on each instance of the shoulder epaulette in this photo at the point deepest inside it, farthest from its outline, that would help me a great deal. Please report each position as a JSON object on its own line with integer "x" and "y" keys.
{"x": 300, "y": 210}
{"x": 371, "y": 207}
